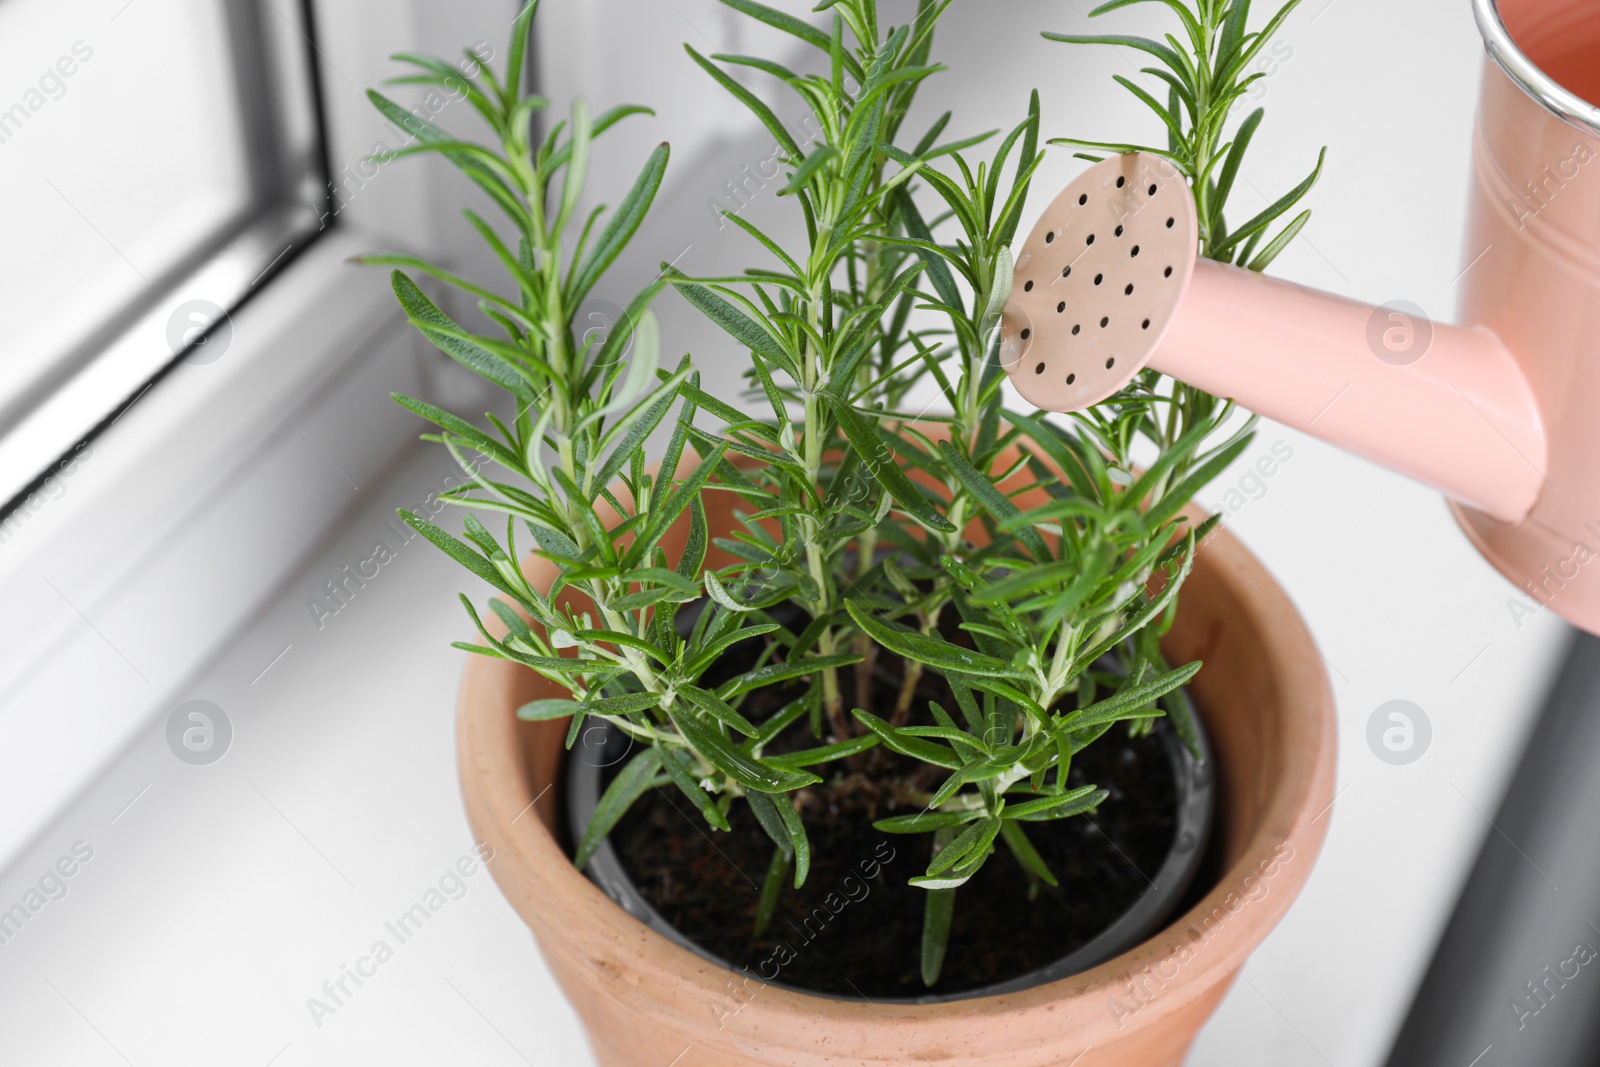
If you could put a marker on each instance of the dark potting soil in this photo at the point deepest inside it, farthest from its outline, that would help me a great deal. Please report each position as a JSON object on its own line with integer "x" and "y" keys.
{"x": 855, "y": 928}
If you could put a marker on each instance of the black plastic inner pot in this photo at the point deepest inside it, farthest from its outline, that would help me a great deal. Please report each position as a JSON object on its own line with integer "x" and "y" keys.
{"x": 602, "y": 749}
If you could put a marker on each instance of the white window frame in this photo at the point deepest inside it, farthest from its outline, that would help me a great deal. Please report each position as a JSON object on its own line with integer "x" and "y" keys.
{"x": 153, "y": 542}
{"x": 280, "y": 134}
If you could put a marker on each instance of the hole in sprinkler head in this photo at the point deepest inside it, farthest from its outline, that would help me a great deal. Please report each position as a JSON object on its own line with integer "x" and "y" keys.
{"x": 1167, "y": 273}
{"x": 1061, "y": 307}
{"x": 1135, "y": 251}
{"x": 1066, "y": 272}
{"x": 1089, "y": 240}
{"x": 1098, "y": 278}
{"x": 1039, "y": 369}
{"x": 1121, "y": 182}
{"x": 1027, "y": 286}
{"x": 1146, "y": 325}
{"x": 1119, "y": 231}
{"x": 1026, "y": 334}
{"x": 1170, "y": 223}
{"x": 1152, "y": 190}
{"x": 1084, "y": 199}
{"x": 1071, "y": 378}
{"x": 1129, "y": 290}
{"x": 1111, "y": 362}
{"x": 1075, "y": 330}
{"x": 1105, "y": 322}
{"x": 1051, "y": 236}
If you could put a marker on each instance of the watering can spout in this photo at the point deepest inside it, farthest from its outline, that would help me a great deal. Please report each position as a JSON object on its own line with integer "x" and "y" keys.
{"x": 1109, "y": 284}
{"x": 1447, "y": 405}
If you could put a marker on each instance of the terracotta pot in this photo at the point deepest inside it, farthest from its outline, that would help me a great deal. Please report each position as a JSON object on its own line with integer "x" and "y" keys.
{"x": 647, "y": 1002}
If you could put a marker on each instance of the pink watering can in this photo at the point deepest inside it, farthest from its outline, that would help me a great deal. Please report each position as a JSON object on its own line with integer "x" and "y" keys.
{"x": 1502, "y": 413}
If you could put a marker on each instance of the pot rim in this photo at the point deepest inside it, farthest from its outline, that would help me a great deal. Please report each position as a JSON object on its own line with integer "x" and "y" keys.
{"x": 663, "y": 978}
{"x": 1527, "y": 75}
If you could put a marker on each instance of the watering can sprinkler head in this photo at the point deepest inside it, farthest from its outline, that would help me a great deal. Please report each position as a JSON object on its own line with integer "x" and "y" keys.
{"x": 1098, "y": 282}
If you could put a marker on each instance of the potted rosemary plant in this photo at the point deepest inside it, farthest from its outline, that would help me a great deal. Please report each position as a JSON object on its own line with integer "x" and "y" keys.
{"x": 880, "y": 724}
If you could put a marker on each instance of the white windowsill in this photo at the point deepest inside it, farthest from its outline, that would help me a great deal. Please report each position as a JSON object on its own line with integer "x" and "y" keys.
{"x": 142, "y": 557}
